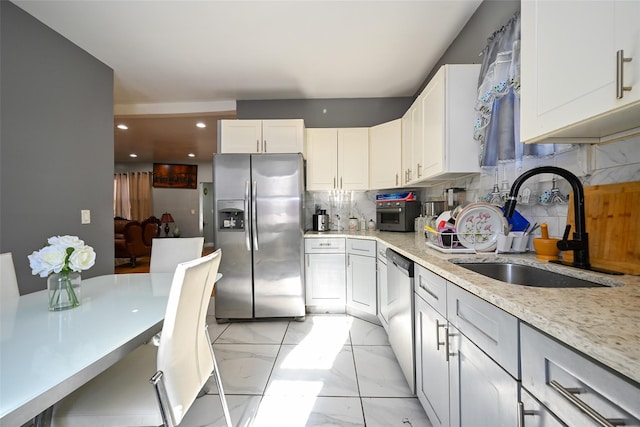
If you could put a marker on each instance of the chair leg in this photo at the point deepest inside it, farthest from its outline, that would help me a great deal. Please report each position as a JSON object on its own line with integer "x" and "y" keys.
{"x": 216, "y": 374}
{"x": 163, "y": 401}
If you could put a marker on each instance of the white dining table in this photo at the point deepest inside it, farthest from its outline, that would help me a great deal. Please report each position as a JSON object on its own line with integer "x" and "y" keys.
{"x": 46, "y": 355}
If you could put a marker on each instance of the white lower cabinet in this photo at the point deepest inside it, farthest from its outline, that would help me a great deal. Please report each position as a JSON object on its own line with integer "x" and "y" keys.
{"x": 482, "y": 394}
{"x": 483, "y": 364}
{"x": 576, "y": 389}
{"x": 432, "y": 365}
{"x": 361, "y": 276}
{"x": 325, "y": 275}
{"x": 467, "y": 366}
{"x": 383, "y": 294}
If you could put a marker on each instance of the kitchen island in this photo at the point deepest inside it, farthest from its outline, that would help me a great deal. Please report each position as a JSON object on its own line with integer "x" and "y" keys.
{"x": 600, "y": 322}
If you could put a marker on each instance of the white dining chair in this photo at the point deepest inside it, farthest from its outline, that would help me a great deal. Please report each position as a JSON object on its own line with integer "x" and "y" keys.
{"x": 8, "y": 280}
{"x": 167, "y": 253}
{"x": 178, "y": 369}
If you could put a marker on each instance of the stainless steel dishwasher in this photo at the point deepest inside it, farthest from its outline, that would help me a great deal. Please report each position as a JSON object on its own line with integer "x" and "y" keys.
{"x": 400, "y": 312}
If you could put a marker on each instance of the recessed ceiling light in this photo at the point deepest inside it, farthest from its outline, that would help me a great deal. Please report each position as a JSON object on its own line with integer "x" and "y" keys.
{"x": 134, "y": 155}
{"x": 201, "y": 125}
{"x": 191, "y": 155}
{"x": 123, "y": 126}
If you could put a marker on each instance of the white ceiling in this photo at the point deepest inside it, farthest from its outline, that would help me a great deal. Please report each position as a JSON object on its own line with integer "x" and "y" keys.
{"x": 180, "y": 53}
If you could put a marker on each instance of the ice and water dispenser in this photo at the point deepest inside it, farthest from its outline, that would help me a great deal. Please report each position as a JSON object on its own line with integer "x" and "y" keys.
{"x": 231, "y": 215}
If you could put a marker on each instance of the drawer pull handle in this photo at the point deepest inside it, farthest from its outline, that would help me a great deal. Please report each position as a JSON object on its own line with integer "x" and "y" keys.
{"x": 428, "y": 291}
{"x": 438, "y": 342}
{"x": 522, "y": 413}
{"x": 620, "y": 87}
{"x": 588, "y": 410}
{"x": 445, "y": 343}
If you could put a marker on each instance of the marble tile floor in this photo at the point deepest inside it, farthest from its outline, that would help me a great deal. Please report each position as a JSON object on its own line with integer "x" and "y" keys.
{"x": 330, "y": 370}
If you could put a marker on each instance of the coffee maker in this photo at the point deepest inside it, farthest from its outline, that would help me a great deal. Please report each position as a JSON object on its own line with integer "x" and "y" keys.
{"x": 321, "y": 220}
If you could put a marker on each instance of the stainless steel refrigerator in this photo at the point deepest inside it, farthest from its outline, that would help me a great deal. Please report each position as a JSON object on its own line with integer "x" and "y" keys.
{"x": 258, "y": 224}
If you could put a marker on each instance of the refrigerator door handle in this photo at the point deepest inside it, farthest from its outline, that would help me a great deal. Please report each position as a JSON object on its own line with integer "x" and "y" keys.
{"x": 254, "y": 221}
{"x": 247, "y": 227}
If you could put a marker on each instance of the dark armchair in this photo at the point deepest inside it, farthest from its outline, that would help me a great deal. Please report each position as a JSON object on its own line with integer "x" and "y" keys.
{"x": 133, "y": 239}
{"x": 150, "y": 230}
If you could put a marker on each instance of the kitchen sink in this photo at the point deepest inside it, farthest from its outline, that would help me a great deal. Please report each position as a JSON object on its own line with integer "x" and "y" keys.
{"x": 527, "y": 275}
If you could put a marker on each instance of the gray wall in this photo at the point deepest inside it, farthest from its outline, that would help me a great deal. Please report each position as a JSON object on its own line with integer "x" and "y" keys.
{"x": 466, "y": 48}
{"x": 56, "y": 144}
{"x": 323, "y": 113}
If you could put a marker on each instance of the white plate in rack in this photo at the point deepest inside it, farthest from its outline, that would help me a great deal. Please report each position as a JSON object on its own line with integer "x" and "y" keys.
{"x": 478, "y": 226}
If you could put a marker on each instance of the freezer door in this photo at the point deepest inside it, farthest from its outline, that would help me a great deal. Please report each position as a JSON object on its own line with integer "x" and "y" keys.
{"x": 232, "y": 190}
{"x": 277, "y": 239}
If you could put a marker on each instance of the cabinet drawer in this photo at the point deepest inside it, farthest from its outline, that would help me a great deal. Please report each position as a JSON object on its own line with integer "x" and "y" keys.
{"x": 361, "y": 247}
{"x": 432, "y": 288}
{"x": 493, "y": 330}
{"x": 324, "y": 245}
{"x": 548, "y": 367}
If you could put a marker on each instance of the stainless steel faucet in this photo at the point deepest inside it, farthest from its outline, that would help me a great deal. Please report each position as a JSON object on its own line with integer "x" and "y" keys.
{"x": 580, "y": 242}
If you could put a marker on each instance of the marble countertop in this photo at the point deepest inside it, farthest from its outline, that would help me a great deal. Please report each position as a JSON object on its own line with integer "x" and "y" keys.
{"x": 601, "y": 322}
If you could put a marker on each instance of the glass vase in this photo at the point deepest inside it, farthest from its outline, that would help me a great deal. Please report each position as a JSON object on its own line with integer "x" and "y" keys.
{"x": 64, "y": 290}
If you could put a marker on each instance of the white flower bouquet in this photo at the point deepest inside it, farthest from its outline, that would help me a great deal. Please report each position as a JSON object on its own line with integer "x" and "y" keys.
{"x": 61, "y": 260}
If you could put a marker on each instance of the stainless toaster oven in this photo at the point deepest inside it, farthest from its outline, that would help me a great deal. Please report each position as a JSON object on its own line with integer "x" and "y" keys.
{"x": 397, "y": 215}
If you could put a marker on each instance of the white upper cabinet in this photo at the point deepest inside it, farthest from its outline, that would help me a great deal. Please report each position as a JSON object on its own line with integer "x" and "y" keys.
{"x": 447, "y": 116}
{"x": 322, "y": 159}
{"x": 353, "y": 158}
{"x": 262, "y": 136}
{"x": 385, "y": 155}
{"x": 407, "y": 145}
{"x": 573, "y": 69}
{"x": 337, "y": 159}
{"x": 240, "y": 136}
{"x": 412, "y": 142}
{"x": 417, "y": 139}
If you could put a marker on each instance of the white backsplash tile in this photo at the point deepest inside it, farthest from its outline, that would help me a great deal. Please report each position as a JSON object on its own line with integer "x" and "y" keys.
{"x": 614, "y": 162}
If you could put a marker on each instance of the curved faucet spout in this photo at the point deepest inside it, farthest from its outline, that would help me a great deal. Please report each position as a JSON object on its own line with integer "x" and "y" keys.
{"x": 580, "y": 242}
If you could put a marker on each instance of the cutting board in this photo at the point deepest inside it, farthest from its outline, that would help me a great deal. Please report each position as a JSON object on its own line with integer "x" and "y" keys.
{"x": 613, "y": 223}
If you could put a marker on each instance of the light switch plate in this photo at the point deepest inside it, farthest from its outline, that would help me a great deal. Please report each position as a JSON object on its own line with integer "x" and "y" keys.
{"x": 85, "y": 216}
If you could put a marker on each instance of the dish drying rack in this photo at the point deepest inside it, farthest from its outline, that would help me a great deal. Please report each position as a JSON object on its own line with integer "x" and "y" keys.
{"x": 449, "y": 242}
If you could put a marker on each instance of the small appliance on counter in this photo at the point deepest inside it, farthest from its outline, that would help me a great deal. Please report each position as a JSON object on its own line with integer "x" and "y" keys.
{"x": 454, "y": 197}
{"x": 433, "y": 208}
{"x": 321, "y": 220}
{"x": 397, "y": 212}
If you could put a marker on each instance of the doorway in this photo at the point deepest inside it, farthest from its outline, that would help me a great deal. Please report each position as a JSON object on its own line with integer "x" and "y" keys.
{"x": 206, "y": 212}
